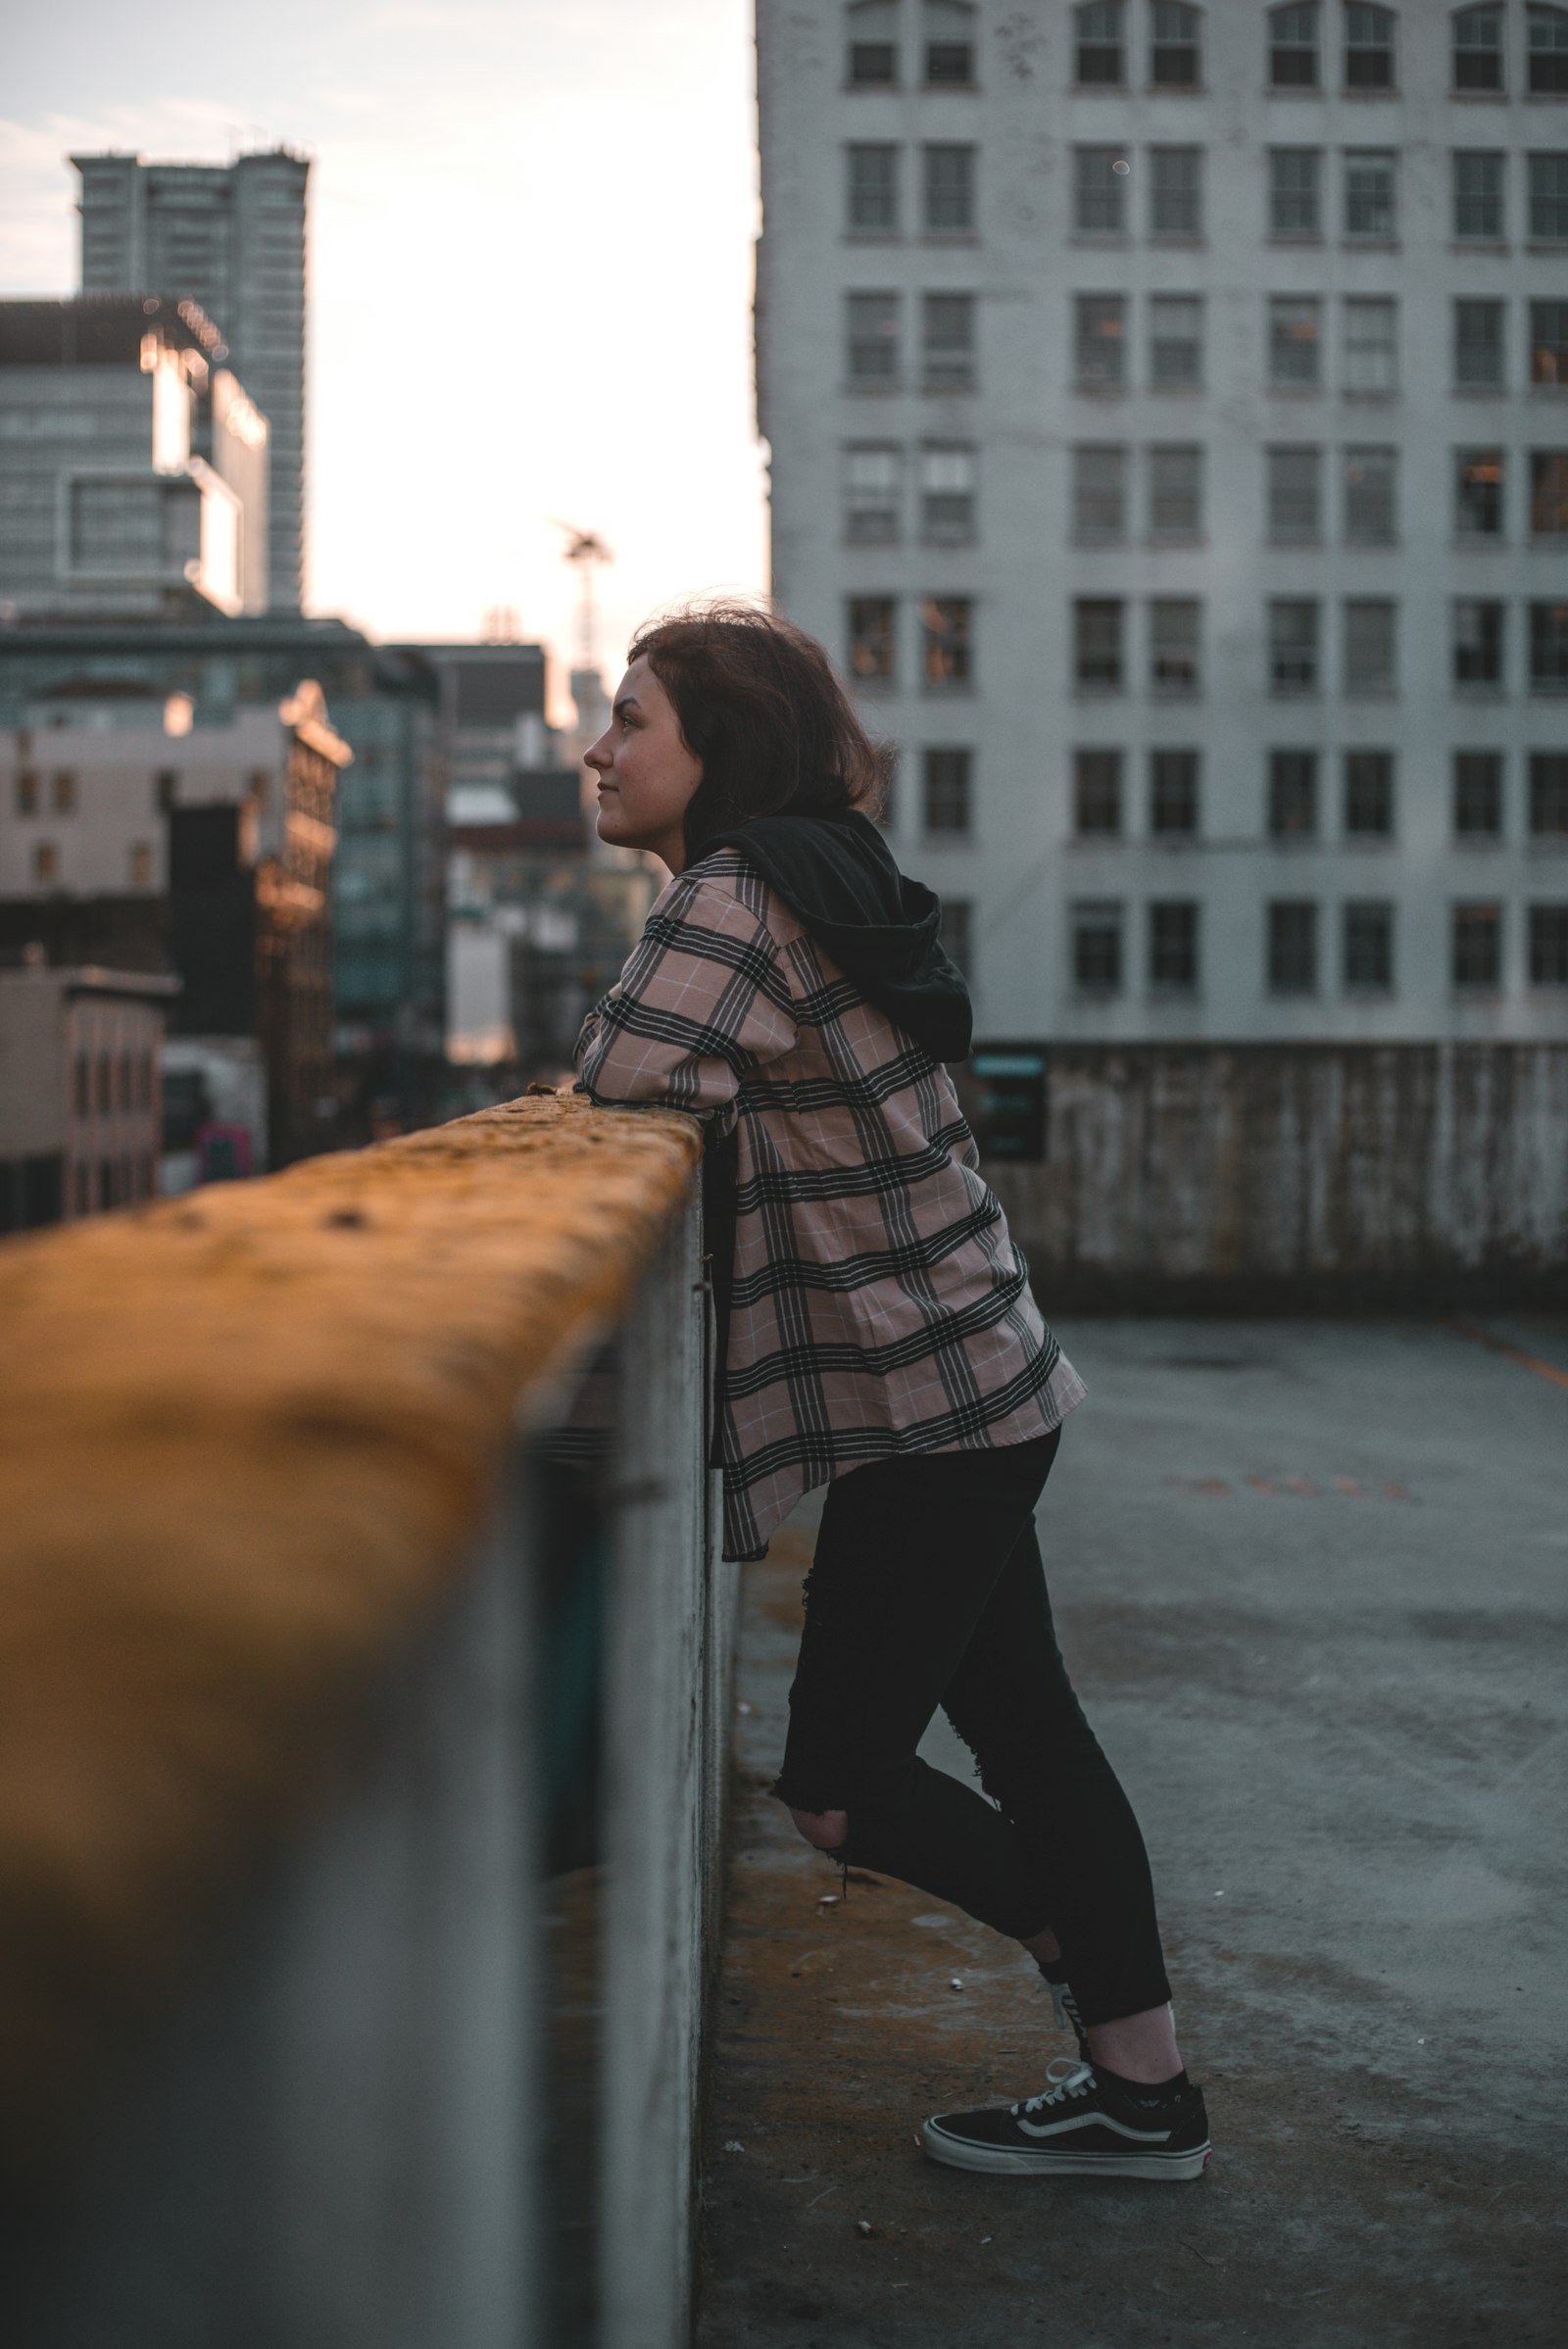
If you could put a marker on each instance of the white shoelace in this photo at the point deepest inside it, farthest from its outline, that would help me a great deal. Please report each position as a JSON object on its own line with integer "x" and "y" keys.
{"x": 1068, "y": 2080}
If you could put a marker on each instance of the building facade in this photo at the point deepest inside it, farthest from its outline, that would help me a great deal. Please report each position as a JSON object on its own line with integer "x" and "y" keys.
{"x": 232, "y": 238}
{"x": 79, "y": 1092}
{"x": 1168, "y": 416}
{"x": 132, "y": 463}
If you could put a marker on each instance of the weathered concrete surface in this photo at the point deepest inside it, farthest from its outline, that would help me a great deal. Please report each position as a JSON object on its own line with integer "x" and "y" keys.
{"x": 1249, "y": 1177}
{"x": 243, "y": 1437}
{"x": 1310, "y": 1579}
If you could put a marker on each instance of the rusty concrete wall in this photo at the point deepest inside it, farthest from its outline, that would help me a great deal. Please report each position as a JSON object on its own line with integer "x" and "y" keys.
{"x": 1334, "y": 1177}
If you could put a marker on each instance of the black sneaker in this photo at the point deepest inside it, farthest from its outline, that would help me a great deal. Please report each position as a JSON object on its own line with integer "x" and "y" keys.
{"x": 1080, "y": 2126}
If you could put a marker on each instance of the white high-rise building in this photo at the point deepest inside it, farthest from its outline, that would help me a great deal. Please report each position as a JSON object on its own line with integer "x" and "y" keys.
{"x": 231, "y": 237}
{"x": 1168, "y": 411}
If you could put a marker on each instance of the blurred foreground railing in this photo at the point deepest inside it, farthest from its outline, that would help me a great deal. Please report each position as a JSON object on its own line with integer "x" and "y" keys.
{"x": 364, "y": 1702}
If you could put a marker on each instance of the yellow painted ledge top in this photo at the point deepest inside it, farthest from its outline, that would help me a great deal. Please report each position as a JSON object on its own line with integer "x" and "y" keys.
{"x": 244, "y": 1437}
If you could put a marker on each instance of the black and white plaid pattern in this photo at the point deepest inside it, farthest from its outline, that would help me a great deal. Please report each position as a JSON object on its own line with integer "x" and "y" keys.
{"x": 879, "y": 1305}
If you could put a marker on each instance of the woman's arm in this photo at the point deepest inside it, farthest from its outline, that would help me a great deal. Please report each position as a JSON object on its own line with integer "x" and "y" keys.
{"x": 701, "y": 1000}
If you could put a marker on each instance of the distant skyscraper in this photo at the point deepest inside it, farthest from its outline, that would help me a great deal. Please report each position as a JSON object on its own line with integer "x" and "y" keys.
{"x": 231, "y": 237}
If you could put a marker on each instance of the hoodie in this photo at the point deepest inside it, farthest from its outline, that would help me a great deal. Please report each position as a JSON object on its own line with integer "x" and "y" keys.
{"x": 837, "y": 876}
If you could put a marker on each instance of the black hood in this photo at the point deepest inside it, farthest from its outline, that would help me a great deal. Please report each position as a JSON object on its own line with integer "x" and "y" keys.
{"x": 837, "y": 876}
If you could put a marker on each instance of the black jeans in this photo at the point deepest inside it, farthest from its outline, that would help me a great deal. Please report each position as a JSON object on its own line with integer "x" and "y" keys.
{"x": 928, "y": 1590}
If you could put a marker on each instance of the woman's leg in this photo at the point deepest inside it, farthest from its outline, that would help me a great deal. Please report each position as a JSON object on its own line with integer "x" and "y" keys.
{"x": 907, "y": 1557}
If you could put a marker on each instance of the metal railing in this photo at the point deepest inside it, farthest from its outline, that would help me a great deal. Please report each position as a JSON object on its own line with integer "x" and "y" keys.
{"x": 362, "y": 1878}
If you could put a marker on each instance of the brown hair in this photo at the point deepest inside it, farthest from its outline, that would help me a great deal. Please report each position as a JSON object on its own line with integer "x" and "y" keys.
{"x": 759, "y": 706}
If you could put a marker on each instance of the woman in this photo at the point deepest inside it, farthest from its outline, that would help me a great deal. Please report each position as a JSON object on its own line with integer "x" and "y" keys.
{"x": 879, "y": 1336}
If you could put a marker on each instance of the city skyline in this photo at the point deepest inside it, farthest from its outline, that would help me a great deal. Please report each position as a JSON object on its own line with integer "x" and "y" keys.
{"x": 488, "y": 170}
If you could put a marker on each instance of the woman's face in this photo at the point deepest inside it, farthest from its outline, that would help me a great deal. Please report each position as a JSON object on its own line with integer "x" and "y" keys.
{"x": 646, "y": 773}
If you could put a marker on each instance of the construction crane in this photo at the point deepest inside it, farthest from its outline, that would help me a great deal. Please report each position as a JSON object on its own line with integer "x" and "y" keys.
{"x": 587, "y": 550}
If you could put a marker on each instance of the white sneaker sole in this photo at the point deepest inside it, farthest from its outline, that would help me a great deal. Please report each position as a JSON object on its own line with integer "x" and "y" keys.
{"x": 1002, "y": 2160}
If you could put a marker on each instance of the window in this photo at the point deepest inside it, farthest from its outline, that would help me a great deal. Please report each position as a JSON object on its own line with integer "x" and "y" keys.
{"x": 873, "y": 59}
{"x": 1477, "y": 643}
{"x": 1173, "y": 644}
{"x": 1549, "y": 795}
{"x": 949, "y": 190}
{"x": 1100, "y": 185}
{"x": 1176, "y": 342}
{"x": 1548, "y": 199}
{"x": 1548, "y": 946}
{"x": 1370, "y": 212}
{"x": 1295, "y": 199}
{"x": 1477, "y": 49}
{"x": 1478, "y": 794}
{"x": 166, "y": 788}
{"x": 1371, "y": 497}
{"x": 1175, "y": 492}
{"x": 1369, "y": 646}
{"x": 1292, "y": 947}
{"x": 1293, "y": 49}
{"x": 1293, "y": 477}
{"x": 1173, "y": 795}
{"x": 948, "y": 475}
{"x": 1549, "y": 493}
{"x": 1176, "y": 191}
{"x": 106, "y": 1084}
{"x": 872, "y": 637}
{"x": 1292, "y": 795}
{"x": 1097, "y": 924}
{"x": 45, "y": 862}
{"x": 873, "y": 494}
{"x": 1173, "y": 946}
{"x": 1098, "y": 666}
{"x": 1548, "y": 51}
{"x": 872, "y": 191}
{"x": 1478, "y": 363}
{"x": 28, "y": 791}
{"x": 1366, "y": 944}
{"x": 1098, "y": 30}
{"x": 948, "y": 45}
{"x": 945, "y": 790}
{"x": 1370, "y": 359}
{"x": 1097, "y": 795}
{"x": 1475, "y": 953}
{"x": 1548, "y": 343}
{"x": 1099, "y": 341}
{"x": 1368, "y": 49}
{"x": 1293, "y": 645}
{"x": 1099, "y": 493}
{"x": 63, "y": 791}
{"x": 81, "y": 1091}
{"x": 141, "y": 864}
{"x": 872, "y": 340}
{"x": 1368, "y": 794}
{"x": 957, "y": 933}
{"x": 1295, "y": 342}
{"x": 1478, "y": 194}
{"x": 946, "y": 642}
{"x": 1478, "y": 493}
{"x": 1175, "y": 62}
{"x": 1549, "y": 648}
{"x": 947, "y": 342}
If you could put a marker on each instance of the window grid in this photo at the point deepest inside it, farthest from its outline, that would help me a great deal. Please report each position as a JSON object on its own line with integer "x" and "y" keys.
{"x": 1548, "y": 344}
{"x": 1293, "y": 630}
{"x": 1478, "y": 794}
{"x": 1476, "y": 949}
{"x": 1295, "y": 342}
{"x": 1549, "y": 795}
{"x": 1478, "y": 195}
{"x": 872, "y": 339}
{"x": 1371, "y": 496}
{"x": 1173, "y": 808}
{"x": 1368, "y": 48}
{"x": 947, "y": 342}
{"x": 1370, "y": 350}
{"x": 1477, "y": 49}
{"x": 1549, "y": 493}
{"x": 1100, "y": 60}
{"x": 1478, "y": 346}
{"x": 1175, "y": 492}
{"x": 1175, "y": 59}
{"x": 1100, "y": 191}
{"x": 1547, "y": 51}
{"x": 1295, "y": 187}
{"x": 948, "y": 191}
{"x": 1548, "y": 946}
{"x": 1291, "y": 946}
{"x": 1097, "y": 652}
{"x": 1371, "y": 214}
{"x": 1097, "y": 795}
{"x": 1176, "y": 342}
{"x": 1100, "y": 493}
{"x": 1369, "y": 646}
{"x": 872, "y": 639}
{"x": 1549, "y": 648}
{"x": 945, "y": 792}
{"x": 1293, "y": 48}
{"x": 1368, "y": 794}
{"x": 1293, "y": 495}
{"x": 1478, "y": 642}
{"x": 1366, "y": 946}
{"x": 1173, "y": 946}
{"x": 872, "y": 191}
{"x": 873, "y": 493}
{"x": 1097, "y": 945}
{"x": 1548, "y": 199}
{"x": 1176, "y": 191}
{"x": 1292, "y": 795}
{"x": 949, "y": 480}
{"x": 946, "y": 643}
{"x": 1174, "y": 656}
{"x": 1478, "y": 493}
{"x": 1099, "y": 341}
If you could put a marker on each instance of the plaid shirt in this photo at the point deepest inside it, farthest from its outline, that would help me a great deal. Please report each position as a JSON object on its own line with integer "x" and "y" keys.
{"x": 879, "y": 1305}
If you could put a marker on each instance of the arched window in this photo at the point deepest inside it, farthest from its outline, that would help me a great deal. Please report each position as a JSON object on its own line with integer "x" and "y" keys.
{"x": 1176, "y": 60}
{"x": 948, "y": 44}
{"x": 873, "y": 61}
{"x": 1477, "y": 49}
{"x": 1293, "y": 49}
{"x": 1368, "y": 48}
{"x": 1548, "y": 51}
{"x": 1100, "y": 57}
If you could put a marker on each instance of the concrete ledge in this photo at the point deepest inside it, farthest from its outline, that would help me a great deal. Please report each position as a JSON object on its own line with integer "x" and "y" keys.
{"x": 243, "y": 1437}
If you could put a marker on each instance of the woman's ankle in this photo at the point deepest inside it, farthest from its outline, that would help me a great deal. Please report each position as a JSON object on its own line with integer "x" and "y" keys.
{"x": 1140, "y": 2047}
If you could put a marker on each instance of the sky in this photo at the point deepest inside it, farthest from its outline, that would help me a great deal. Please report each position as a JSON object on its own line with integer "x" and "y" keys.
{"x": 529, "y": 286}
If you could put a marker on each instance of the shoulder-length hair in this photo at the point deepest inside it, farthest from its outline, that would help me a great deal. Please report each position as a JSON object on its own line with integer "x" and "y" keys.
{"x": 759, "y": 706}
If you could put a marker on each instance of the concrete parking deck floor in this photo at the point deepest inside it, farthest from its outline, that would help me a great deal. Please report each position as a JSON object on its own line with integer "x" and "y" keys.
{"x": 1310, "y": 1579}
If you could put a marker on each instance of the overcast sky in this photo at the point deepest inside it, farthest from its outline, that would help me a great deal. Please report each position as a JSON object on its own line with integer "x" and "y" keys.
{"x": 530, "y": 273}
